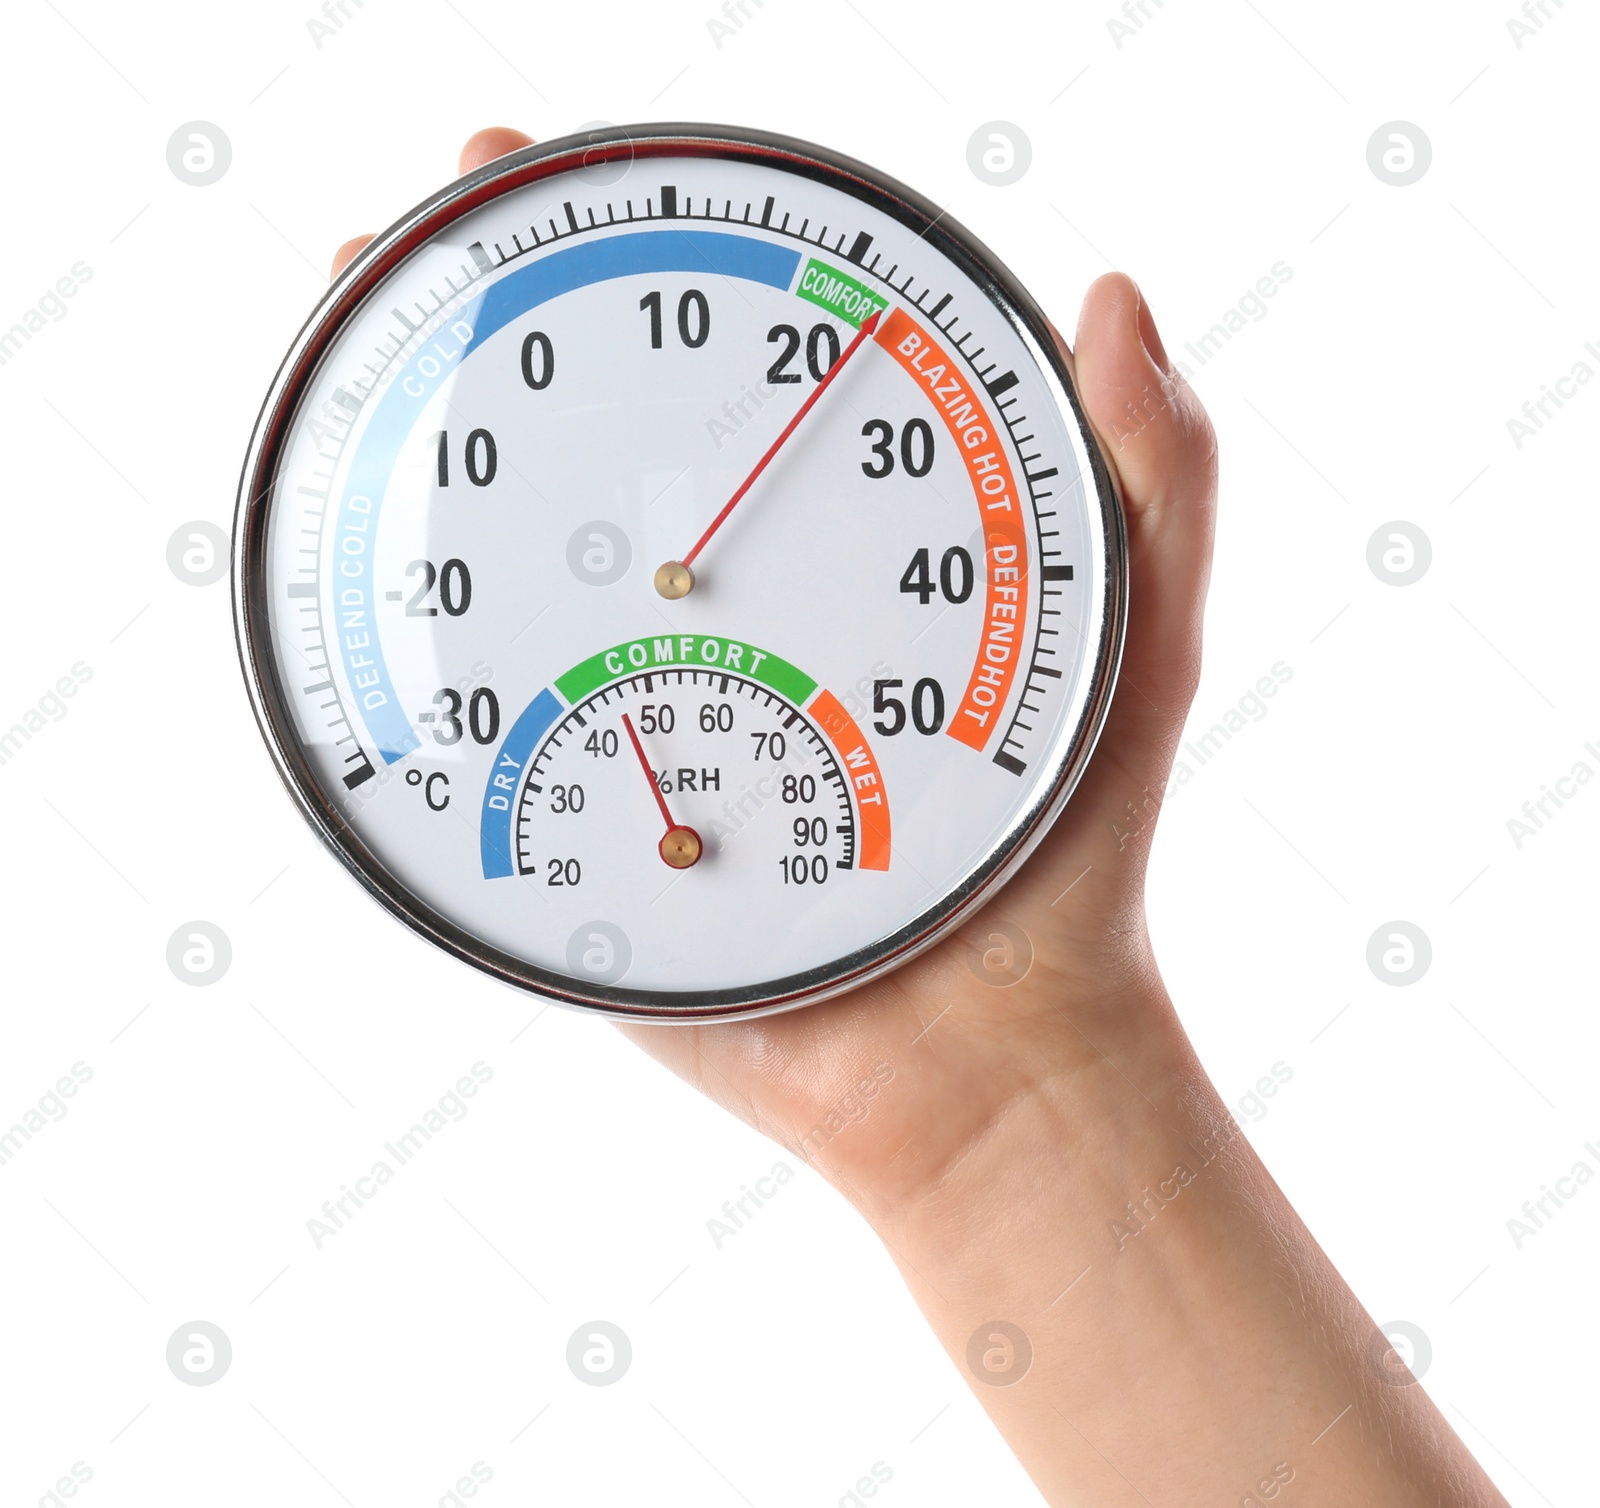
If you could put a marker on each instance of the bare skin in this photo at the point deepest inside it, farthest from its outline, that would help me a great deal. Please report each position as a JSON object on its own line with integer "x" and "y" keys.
{"x": 1052, "y": 1154}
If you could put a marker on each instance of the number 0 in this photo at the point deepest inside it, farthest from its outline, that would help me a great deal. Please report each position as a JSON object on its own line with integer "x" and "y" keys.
{"x": 538, "y": 360}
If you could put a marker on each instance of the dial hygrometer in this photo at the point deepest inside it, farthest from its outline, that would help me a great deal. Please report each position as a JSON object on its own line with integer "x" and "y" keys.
{"x": 674, "y": 574}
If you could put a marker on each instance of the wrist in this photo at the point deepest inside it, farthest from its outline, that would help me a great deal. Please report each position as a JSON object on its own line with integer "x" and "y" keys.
{"x": 1083, "y": 1102}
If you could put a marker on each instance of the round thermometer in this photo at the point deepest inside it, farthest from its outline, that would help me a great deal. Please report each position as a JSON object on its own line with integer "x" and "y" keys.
{"x": 674, "y": 574}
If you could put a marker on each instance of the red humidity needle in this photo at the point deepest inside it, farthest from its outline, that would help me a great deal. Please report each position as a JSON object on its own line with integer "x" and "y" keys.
{"x": 681, "y": 846}
{"x": 675, "y": 579}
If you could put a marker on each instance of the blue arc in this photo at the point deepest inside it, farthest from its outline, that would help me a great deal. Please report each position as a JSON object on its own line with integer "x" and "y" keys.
{"x": 355, "y": 597}
{"x": 500, "y": 794}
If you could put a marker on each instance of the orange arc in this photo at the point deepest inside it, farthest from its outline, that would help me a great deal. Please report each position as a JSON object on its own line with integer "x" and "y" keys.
{"x": 859, "y": 766}
{"x": 1000, "y": 511}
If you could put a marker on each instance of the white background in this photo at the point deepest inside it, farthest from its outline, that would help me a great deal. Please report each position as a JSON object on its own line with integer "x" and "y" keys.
{"x": 1216, "y": 140}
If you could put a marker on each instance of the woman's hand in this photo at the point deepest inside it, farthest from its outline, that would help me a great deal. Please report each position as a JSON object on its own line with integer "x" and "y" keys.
{"x": 1069, "y": 1200}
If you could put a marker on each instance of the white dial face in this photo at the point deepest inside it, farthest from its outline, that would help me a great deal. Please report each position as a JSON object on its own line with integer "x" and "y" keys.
{"x": 772, "y": 771}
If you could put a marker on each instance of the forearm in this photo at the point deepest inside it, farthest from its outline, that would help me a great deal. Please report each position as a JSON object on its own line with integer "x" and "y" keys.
{"x": 1189, "y": 1338}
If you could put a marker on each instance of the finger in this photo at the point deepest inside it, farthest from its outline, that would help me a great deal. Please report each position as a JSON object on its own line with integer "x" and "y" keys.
{"x": 1157, "y": 436}
{"x": 347, "y": 253}
{"x": 486, "y": 145}
{"x": 482, "y": 147}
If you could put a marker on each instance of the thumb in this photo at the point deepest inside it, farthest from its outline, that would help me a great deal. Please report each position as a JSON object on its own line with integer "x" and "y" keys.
{"x": 1159, "y": 441}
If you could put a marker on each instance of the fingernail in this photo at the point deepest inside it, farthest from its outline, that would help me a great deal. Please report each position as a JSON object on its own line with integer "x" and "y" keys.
{"x": 1149, "y": 335}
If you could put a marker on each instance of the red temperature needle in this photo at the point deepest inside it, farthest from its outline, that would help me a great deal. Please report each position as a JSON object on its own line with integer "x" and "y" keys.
{"x": 680, "y": 847}
{"x": 676, "y": 578}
